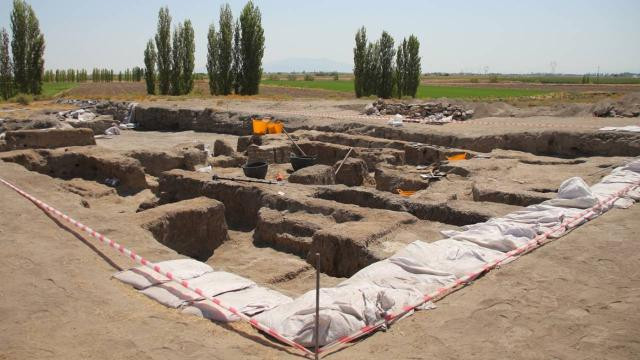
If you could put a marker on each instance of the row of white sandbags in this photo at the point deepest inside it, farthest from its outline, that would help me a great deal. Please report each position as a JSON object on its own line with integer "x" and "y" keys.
{"x": 420, "y": 268}
{"x": 241, "y": 293}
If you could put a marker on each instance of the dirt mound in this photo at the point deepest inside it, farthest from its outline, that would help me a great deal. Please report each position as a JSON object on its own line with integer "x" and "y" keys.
{"x": 352, "y": 173}
{"x": 314, "y": 175}
{"x": 48, "y": 138}
{"x": 194, "y": 227}
{"x": 86, "y": 163}
{"x": 627, "y": 106}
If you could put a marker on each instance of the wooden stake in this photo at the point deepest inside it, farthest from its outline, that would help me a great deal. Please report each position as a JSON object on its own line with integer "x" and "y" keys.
{"x": 343, "y": 160}
{"x": 294, "y": 143}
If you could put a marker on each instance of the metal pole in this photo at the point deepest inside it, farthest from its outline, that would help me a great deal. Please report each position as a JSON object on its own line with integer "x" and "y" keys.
{"x": 294, "y": 143}
{"x": 317, "y": 328}
{"x": 343, "y": 160}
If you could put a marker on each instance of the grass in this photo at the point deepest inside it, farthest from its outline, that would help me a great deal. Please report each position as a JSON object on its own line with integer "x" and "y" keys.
{"x": 51, "y": 89}
{"x": 424, "y": 91}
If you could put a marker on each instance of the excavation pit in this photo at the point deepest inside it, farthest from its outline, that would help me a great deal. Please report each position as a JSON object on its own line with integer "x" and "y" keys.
{"x": 270, "y": 232}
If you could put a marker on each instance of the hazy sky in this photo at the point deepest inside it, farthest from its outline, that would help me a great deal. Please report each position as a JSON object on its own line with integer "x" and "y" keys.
{"x": 506, "y": 36}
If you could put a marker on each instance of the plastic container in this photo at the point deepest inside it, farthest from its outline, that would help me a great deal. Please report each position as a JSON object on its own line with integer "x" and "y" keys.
{"x": 299, "y": 162}
{"x": 259, "y": 126}
{"x": 274, "y": 127}
{"x": 256, "y": 169}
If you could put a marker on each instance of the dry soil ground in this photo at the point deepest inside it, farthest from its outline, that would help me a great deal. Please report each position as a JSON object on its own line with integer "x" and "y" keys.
{"x": 575, "y": 298}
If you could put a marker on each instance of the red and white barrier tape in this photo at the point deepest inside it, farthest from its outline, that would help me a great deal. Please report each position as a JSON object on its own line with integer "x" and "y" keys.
{"x": 465, "y": 280}
{"x": 140, "y": 260}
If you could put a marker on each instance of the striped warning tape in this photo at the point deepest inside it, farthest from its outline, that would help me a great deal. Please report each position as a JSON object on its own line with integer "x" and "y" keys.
{"x": 140, "y": 260}
{"x": 467, "y": 279}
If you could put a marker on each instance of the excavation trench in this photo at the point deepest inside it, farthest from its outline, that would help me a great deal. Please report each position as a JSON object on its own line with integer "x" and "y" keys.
{"x": 350, "y": 226}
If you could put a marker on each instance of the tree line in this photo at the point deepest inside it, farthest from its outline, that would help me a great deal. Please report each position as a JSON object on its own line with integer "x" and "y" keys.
{"x": 376, "y": 73}
{"x": 22, "y": 57}
{"x": 174, "y": 60}
{"x": 69, "y": 75}
{"x": 234, "y": 54}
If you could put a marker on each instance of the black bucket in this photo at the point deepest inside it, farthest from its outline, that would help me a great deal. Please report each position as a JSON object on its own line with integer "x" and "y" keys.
{"x": 256, "y": 169}
{"x": 299, "y": 162}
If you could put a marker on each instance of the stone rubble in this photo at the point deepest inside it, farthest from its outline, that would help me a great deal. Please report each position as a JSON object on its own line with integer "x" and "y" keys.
{"x": 431, "y": 110}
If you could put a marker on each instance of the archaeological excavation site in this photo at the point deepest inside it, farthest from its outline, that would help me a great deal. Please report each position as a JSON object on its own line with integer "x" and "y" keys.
{"x": 223, "y": 218}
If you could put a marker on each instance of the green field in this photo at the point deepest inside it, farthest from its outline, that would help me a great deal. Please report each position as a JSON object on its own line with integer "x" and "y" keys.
{"x": 424, "y": 91}
{"x": 568, "y": 79}
{"x": 50, "y": 89}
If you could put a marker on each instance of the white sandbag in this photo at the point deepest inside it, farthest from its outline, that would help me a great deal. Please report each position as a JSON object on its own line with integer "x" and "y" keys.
{"x": 220, "y": 282}
{"x": 388, "y": 274}
{"x": 377, "y": 290}
{"x": 170, "y": 294}
{"x": 633, "y": 166}
{"x": 212, "y": 284}
{"x": 114, "y": 130}
{"x": 497, "y": 235}
{"x": 343, "y": 310}
{"x": 249, "y": 301}
{"x": 142, "y": 277}
{"x": 443, "y": 257}
{"x": 575, "y": 193}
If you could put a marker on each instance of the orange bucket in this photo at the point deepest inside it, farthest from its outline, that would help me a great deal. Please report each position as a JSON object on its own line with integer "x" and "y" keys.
{"x": 456, "y": 157}
{"x": 275, "y": 127}
{"x": 259, "y": 126}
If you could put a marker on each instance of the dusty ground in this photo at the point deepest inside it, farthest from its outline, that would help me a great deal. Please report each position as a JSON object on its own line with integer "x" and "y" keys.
{"x": 574, "y": 298}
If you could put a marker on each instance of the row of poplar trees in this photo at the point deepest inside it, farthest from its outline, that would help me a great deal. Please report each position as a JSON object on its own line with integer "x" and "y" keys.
{"x": 97, "y": 75}
{"x": 174, "y": 60}
{"x": 375, "y": 72}
{"x": 22, "y": 67}
{"x": 234, "y": 54}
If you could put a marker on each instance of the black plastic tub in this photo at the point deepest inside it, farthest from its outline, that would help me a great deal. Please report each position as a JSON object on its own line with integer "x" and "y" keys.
{"x": 299, "y": 162}
{"x": 256, "y": 169}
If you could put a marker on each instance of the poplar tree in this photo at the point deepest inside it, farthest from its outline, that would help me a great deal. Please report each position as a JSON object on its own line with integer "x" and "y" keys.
{"x": 212, "y": 59}
{"x": 34, "y": 53}
{"x": 387, "y": 52}
{"x": 163, "y": 46}
{"x": 224, "y": 77}
{"x": 188, "y": 56}
{"x": 19, "y": 16}
{"x": 252, "y": 48}
{"x": 401, "y": 69}
{"x": 359, "y": 57}
{"x": 176, "y": 61}
{"x": 413, "y": 66}
{"x": 6, "y": 67}
{"x": 371, "y": 69}
{"x": 150, "y": 65}
{"x": 236, "y": 69}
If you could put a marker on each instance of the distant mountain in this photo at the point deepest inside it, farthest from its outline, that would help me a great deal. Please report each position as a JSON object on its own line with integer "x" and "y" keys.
{"x": 306, "y": 64}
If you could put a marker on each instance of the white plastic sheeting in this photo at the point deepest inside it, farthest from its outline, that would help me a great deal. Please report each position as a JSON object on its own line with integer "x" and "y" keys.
{"x": 420, "y": 268}
{"x": 240, "y": 292}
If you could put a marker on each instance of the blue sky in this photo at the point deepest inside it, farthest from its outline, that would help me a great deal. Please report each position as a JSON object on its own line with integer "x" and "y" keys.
{"x": 505, "y": 36}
